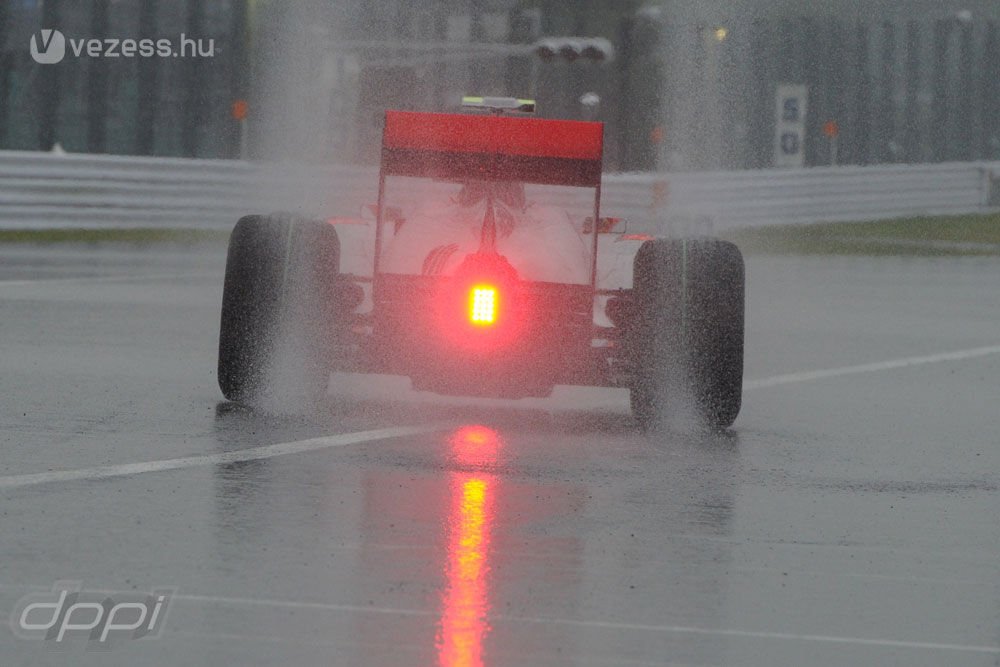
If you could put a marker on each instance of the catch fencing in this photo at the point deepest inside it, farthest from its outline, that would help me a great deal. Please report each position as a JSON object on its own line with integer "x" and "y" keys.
{"x": 42, "y": 190}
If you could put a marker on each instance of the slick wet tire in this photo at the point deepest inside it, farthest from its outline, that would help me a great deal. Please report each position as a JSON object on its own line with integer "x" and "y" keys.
{"x": 276, "y": 305}
{"x": 685, "y": 337}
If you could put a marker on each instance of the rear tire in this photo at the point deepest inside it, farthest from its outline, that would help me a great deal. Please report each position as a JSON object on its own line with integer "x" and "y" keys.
{"x": 685, "y": 337}
{"x": 280, "y": 274}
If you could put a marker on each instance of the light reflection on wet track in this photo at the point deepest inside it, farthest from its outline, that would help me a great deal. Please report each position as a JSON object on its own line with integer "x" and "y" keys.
{"x": 465, "y": 602}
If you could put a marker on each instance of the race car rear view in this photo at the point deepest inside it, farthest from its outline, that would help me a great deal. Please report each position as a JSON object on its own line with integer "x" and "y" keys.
{"x": 480, "y": 277}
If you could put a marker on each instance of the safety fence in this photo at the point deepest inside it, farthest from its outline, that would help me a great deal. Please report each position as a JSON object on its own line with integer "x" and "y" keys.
{"x": 42, "y": 190}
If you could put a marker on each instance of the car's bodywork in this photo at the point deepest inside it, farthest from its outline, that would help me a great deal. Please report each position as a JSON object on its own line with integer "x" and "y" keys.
{"x": 482, "y": 276}
{"x": 544, "y": 331}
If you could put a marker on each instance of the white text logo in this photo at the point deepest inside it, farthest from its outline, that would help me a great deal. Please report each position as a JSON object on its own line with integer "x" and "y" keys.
{"x": 49, "y": 47}
{"x": 67, "y": 612}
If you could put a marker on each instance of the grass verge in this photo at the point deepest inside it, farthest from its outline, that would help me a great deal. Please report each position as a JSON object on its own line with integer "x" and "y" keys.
{"x": 137, "y": 236}
{"x": 924, "y": 236}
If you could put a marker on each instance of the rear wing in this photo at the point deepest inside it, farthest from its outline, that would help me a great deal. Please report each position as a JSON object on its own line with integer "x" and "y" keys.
{"x": 505, "y": 148}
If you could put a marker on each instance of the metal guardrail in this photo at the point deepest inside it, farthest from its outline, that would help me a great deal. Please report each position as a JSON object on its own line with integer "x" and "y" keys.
{"x": 799, "y": 196}
{"x": 41, "y": 190}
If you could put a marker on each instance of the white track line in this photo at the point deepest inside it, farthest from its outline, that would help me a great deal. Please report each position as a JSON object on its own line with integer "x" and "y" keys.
{"x": 875, "y": 367}
{"x": 250, "y": 454}
{"x": 608, "y": 625}
{"x": 753, "y": 634}
{"x": 410, "y": 647}
{"x": 573, "y": 622}
{"x": 344, "y": 439}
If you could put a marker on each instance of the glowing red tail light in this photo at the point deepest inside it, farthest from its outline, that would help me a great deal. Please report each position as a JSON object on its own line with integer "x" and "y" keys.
{"x": 481, "y": 308}
{"x": 483, "y": 302}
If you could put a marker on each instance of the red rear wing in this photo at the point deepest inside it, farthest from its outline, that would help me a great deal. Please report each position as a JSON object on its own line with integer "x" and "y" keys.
{"x": 535, "y": 150}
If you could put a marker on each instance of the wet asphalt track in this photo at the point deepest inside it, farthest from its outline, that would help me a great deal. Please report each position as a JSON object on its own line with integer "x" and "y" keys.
{"x": 851, "y": 517}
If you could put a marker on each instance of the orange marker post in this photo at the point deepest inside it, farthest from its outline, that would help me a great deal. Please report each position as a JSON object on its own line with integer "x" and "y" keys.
{"x": 240, "y": 109}
{"x": 831, "y": 129}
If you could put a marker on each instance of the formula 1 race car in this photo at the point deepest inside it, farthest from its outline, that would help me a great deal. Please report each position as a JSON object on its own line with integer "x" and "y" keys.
{"x": 479, "y": 274}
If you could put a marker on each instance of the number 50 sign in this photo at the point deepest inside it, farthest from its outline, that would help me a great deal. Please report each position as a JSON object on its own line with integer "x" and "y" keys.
{"x": 790, "y": 125}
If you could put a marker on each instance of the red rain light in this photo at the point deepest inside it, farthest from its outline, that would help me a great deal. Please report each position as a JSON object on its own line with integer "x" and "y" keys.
{"x": 481, "y": 309}
{"x": 483, "y": 305}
